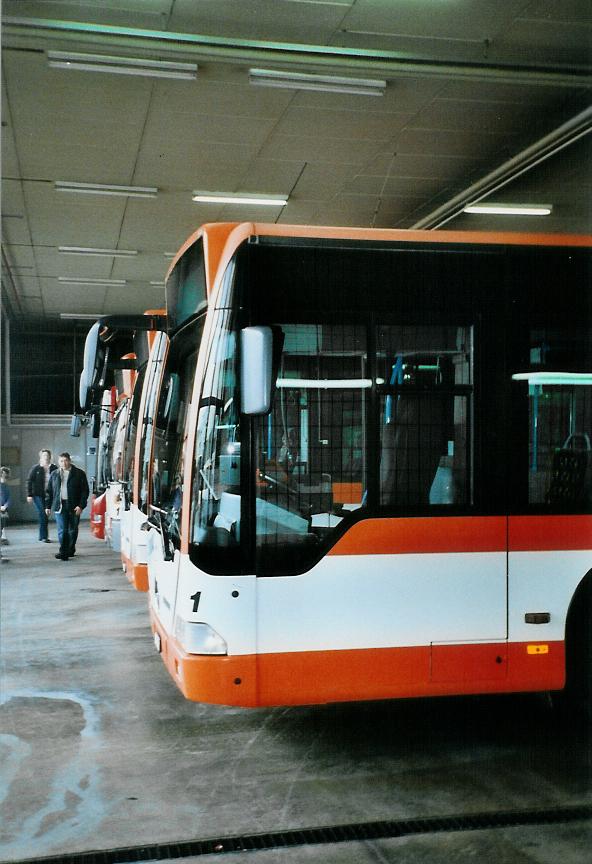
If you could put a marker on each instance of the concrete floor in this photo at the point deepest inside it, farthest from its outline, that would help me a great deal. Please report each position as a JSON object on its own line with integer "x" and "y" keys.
{"x": 99, "y": 750}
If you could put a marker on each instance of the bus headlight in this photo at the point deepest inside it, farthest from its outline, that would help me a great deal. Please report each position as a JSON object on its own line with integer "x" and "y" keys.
{"x": 198, "y": 638}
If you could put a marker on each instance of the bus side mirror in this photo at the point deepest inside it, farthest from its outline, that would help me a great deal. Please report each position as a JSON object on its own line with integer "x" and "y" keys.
{"x": 85, "y": 390}
{"x": 96, "y": 423}
{"x": 257, "y": 356}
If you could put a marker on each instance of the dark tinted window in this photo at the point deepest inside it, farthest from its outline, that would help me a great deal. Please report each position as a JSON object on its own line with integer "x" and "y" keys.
{"x": 186, "y": 286}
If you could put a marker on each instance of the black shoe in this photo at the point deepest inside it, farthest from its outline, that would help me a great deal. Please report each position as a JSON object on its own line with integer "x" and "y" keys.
{"x": 61, "y": 557}
{"x": 47, "y": 540}
{"x": 44, "y": 540}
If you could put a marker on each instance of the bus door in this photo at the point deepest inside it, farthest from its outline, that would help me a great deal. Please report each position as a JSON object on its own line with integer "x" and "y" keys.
{"x": 162, "y": 471}
{"x": 128, "y": 463}
{"x": 549, "y": 544}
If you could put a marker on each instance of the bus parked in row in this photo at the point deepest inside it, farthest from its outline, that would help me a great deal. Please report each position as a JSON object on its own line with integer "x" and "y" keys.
{"x": 366, "y": 465}
{"x": 99, "y": 482}
{"x": 115, "y": 456}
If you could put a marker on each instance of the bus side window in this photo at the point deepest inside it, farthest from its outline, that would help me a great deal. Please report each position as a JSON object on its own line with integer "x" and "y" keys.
{"x": 560, "y": 454}
{"x": 559, "y": 393}
{"x": 215, "y": 498}
{"x": 425, "y": 387}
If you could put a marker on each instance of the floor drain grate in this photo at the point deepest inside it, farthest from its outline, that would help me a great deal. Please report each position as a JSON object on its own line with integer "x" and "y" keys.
{"x": 324, "y": 835}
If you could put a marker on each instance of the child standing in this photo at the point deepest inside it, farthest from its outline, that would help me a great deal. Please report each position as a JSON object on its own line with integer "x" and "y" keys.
{"x": 4, "y": 502}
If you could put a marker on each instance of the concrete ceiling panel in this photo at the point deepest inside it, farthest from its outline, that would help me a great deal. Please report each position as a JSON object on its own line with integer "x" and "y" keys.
{"x": 193, "y": 166}
{"x": 70, "y": 219}
{"x": 349, "y": 160}
{"x": 334, "y": 151}
{"x": 351, "y": 125}
{"x": 260, "y": 19}
{"x": 137, "y": 13}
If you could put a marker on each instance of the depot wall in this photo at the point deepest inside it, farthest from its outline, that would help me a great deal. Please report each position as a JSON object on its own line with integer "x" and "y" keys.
{"x": 20, "y": 442}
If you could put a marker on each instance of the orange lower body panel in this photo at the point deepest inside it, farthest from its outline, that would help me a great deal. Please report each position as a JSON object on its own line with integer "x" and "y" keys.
{"x": 316, "y": 677}
{"x": 137, "y": 574}
{"x": 97, "y": 516}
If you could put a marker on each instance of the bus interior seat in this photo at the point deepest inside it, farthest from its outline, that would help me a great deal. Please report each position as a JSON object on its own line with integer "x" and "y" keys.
{"x": 571, "y": 472}
{"x": 412, "y": 446}
{"x": 315, "y": 492}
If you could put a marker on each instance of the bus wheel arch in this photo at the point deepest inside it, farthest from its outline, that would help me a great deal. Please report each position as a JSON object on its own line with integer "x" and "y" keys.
{"x": 578, "y": 643}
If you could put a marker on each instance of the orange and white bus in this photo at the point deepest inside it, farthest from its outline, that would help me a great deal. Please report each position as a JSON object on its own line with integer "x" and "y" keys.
{"x": 117, "y": 447}
{"x": 137, "y": 421}
{"x": 99, "y": 482}
{"x": 113, "y": 457}
{"x": 368, "y": 464}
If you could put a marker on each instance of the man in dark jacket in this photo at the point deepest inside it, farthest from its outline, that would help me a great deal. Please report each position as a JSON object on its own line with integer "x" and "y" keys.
{"x": 37, "y": 483}
{"x": 67, "y": 494}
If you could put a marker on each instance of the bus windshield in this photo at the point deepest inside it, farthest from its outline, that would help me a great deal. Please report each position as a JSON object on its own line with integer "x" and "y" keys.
{"x": 366, "y": 412}
{"x": 115, "y": 443}
{"x": 167, "y": 410}
{"x": 131, "y": 432}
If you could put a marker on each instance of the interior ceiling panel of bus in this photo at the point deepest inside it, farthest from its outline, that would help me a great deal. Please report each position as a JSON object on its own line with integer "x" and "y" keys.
{"x": 467, "y": 100}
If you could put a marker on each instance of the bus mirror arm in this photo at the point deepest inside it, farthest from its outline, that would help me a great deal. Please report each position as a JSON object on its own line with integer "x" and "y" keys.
{"x": 158, "y": 522}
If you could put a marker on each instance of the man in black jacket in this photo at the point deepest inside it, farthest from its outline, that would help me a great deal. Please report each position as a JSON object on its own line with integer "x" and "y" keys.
{"x": 37, "y": 483}
{"x": 67, "y": 494}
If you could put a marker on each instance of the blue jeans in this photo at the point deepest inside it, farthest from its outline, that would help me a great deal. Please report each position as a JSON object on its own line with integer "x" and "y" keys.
{"x": 67, "y": 522}
{"x": 39, "y": 503}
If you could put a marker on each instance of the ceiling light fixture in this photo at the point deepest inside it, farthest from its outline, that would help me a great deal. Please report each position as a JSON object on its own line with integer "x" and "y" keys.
{"x": 106, "y": 189}
{"x": 321, "y": 83}
{"x": 122, "y": 65}
{"x": 322, "y": 2}
{"x": 567, "y": 378}
{"x": 510, "y": 209}
{"x": 83, "y": 316}
{"x": 98, "y": 253}
{"x": 72, "y": 280}
{"x": 240, "y": 198}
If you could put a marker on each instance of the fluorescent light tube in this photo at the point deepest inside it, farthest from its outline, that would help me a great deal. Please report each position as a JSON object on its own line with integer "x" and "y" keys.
{"x": 83, "y": 316}
{"x": 567, "y": 378}
{"x": 323, "y": 2}
{"x": 322, "y": 83}
{"x": 99, "y": 253}
{"x": 324, "y": 383}
{"x": 240, "y": 198}
{"x": 121, "y": 65}
{"x": 71, "y": 280}
{"x": 510, "y": 209}
{"x": 106, "y": 189}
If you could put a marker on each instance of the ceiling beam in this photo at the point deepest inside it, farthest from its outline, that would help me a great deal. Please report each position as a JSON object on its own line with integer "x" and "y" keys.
{"x": 566, "y": 134}
{"x": 19, "y": 32}
{"x": 10, "y": 301}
